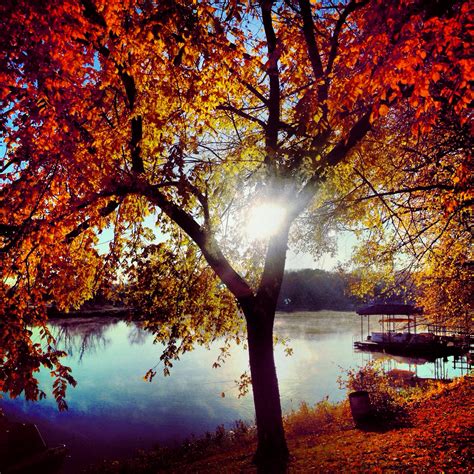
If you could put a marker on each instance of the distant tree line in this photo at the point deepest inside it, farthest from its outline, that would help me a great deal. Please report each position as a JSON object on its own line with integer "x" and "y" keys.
{"x": 313, "y": 290}
{"x": 302, "y": 290}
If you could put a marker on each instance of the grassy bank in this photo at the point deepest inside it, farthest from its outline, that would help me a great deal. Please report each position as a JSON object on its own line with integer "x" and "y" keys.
{"x": 430, "y": 432}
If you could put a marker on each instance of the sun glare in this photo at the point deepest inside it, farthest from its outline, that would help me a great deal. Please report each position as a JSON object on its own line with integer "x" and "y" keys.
{"x": 264, "y": 221}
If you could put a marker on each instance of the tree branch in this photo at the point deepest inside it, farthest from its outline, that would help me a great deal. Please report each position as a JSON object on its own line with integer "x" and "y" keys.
{"x": 136, "y": 138}
{"x": 241, "y": 113}
{"x": 430, "y": 187}
{"x": 129, "y": 85}
{"x": 391, "y": 212}
{"x": 334, "y": 157}
{"x": 249, "y": 86}
{"x": 104, "y": 212}
{"x": 350, "y": 8}
{"x": 271, "y": 135}
{"x": 313, "y": 52}
{"x": 202, "y": 237}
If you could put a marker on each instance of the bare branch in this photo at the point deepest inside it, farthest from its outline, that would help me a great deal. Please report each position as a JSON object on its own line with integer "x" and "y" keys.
{"x": 430, "y": 187}
{"x": 392, "y": 213}
{"x": 241, "y": 113}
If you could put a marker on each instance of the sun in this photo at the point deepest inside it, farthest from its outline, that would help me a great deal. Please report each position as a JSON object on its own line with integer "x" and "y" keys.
{"x": 264, "y": 220}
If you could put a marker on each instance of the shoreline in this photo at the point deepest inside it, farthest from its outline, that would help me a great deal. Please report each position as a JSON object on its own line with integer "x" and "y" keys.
{"x": 324, "y": 438}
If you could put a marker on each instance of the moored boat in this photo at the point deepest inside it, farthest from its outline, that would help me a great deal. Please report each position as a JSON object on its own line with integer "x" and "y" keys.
{"x": 399, "y": 334}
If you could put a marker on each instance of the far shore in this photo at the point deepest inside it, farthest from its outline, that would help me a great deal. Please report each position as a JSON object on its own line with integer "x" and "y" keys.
{"x": 126, "y": 311}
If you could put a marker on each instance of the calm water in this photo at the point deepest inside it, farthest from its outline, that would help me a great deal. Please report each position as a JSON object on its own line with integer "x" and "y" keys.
{"x": 112, "y": 411}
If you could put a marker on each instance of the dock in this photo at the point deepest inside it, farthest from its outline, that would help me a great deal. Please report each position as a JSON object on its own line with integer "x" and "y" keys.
{"x": 399, "y": 334}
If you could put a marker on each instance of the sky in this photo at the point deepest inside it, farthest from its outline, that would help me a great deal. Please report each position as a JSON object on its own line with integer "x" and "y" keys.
{"x": 345, "y": 244}
{"x": 294, "y": 260}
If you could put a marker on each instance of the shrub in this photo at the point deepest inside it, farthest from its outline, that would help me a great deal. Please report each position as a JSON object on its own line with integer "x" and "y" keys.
{"x": 323, "y": 417}
{"x": 388, "y": 401}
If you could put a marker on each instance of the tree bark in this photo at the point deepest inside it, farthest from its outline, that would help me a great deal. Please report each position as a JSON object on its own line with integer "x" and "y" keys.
{"x": 272, "y": 451}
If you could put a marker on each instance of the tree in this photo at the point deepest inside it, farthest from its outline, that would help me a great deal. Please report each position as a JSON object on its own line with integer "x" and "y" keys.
{"x": 416, "y": 192}
{"x": 112, "y": 111}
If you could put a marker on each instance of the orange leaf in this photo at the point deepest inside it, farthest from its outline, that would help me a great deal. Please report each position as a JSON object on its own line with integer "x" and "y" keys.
{"x": 383, "y": 110}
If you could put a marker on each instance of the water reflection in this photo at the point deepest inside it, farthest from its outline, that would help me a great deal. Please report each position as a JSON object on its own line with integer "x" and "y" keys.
{"x": 82, "y": 335}
{"x": 137, "y": 335}
{"x": 442, "y": 368}
{"x": 114, "y": 412}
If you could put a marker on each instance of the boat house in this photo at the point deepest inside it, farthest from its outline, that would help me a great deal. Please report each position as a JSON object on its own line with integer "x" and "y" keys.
{"x": 400, "y": 333}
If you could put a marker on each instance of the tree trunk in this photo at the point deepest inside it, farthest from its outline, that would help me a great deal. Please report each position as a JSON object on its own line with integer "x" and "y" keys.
{"x": 272, "y": 452}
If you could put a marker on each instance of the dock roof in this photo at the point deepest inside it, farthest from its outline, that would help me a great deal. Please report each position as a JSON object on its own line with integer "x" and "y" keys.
{"x": 390, "y": 309}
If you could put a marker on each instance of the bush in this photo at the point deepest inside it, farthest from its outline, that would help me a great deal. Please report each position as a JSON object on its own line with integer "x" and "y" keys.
{"x": 388, "y": 402}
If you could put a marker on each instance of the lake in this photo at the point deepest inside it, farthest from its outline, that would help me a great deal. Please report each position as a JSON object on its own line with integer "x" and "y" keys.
{"x": 113, "y": 411}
